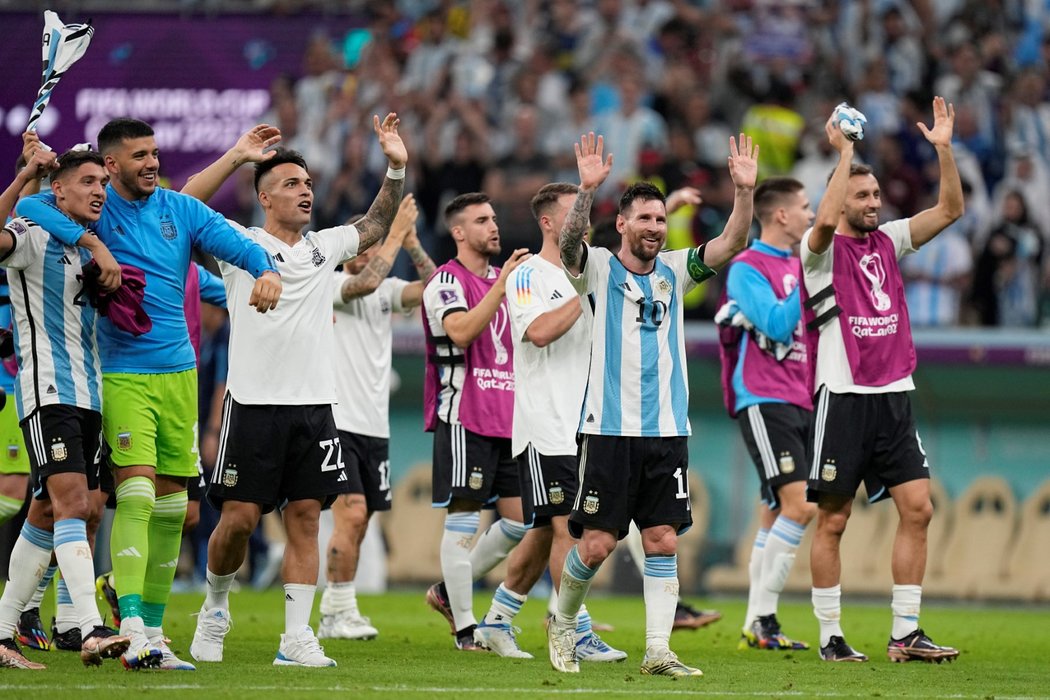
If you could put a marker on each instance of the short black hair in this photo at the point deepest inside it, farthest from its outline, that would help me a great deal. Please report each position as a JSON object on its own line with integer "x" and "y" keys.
{"x": 548, "y": 195}
{"x": 855, "y": 169}
{"x": 116, "y": 131}
{"x": 771, "y": 192}
{"x": 71, "y": 160}
{"x": 461, "y": 202}
{"x": 644, "y": 191}
{"x": 281, "y": 156}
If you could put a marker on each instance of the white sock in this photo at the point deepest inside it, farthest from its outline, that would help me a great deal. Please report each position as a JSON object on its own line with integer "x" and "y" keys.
{"x": 552, "y": 600}
{"x": 298, "y": 604}
{"x": 41, "y": 589}
{"x": 633, "y": 542}
{"x": 754, "y": 575}
{"x": 505, "y": 605}
{"x": 660, "y": 585}
{"x": 78, "y": 576}
{"x": 576, "y": 580}
{"x": 827, "y": 606}
{"x": 65, "y": 614}
{"x": 338, "y": 598}
{"x": 781, "y": 545}
{"x": 456, "y": 565}
{"x": 906, "y": 603}
{"x": 155, "y": 635}
{"x": 494, "y": 545}
{"x": 30, "y": 558}
{"x": 218, "y": 590}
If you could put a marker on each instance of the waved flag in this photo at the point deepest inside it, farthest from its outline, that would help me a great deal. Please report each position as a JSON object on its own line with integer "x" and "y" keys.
{"x": 63, "y": 45}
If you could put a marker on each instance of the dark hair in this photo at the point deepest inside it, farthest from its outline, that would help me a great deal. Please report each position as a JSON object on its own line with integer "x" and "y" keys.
{"x": 548, "y": 195}
{"x": 71, "y": 160}
{"x": 854, "y": 169}
{"x": 281, "y": 156}
{"x": 461, "y": 202}
{"x": 605, "y": 235}
{"x": 116, "y": 131}
{"x": 771, "y": 192}
{"x": 644, "y": 191}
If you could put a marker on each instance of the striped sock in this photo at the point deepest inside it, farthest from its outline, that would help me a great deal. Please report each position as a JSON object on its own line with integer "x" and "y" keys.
{"x": 165, "y": 542}
{"x": 9, "y": 507}
{"x": 30, "y": 558}
{"x": 660, "y": 586}
{"x": 76, "y": 589}
{"x": 575, "y": 583}
{"x": 784, "y": 539}
{"x": 494, "y": 545}
{"x": 41, "y": 589}
{"x": 754, "y": 575}
{"x": 456, "y": 565}
{"x": 505, "y": 605}
{"x": 129, "y": 542}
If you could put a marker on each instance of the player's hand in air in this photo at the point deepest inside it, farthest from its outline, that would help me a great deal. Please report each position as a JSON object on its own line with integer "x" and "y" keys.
{"x": 390, "y": 141}
{"x": 743, "y": 162}
{"x": 943, "y": 123}
{"x": 266, "y": 292}
{"x": 686, "y": 196}
{"x": 593, "y": 168}
{"x": 405, "y": 219}
{"x": 251, "y": 146}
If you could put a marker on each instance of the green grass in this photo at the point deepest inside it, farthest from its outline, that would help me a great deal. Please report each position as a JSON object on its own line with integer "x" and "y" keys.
{"x": 1005, "y": 653}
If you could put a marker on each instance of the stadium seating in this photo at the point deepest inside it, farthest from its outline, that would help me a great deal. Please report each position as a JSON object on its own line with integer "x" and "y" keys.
{"x": 1026, "y": 573}
{"x": 975, "y": 554}
{"x": 413, "y": 530}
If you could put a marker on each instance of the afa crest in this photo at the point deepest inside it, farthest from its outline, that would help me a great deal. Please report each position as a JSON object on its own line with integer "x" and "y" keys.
{"x": 787, "y": 464}
{"x": 591, "y": 503}
{"x": 167, "y": 230}
{"x": 828, "y": 472}
{"x": 124, "y": 441}
{"x": 556, "y": 495}
{"x": 59, "y": 451}
{"x": 12, "y": 451}
{"x": 317, "y": 258}
{"x": 477, "y": 479}
{"x": 229, "y": 476}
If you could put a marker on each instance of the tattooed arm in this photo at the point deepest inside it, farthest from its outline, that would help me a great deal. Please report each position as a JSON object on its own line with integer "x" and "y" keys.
{"x": 412, "y": 295}
{"x": 593, "y": 171}
{"x": 380, "y": 215}
{"x": 378, "y": 267}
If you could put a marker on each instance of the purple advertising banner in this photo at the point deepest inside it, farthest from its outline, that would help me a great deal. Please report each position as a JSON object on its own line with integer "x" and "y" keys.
{"x": 201, "y": 82}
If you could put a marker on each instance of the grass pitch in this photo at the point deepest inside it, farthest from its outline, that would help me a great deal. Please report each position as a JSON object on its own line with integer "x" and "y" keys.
{"x": 1005, "y": 654}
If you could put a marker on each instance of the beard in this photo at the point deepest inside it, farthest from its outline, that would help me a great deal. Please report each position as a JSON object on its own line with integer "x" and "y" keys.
{"x": 641, "y": 252}
{"x": 856, "y": 220}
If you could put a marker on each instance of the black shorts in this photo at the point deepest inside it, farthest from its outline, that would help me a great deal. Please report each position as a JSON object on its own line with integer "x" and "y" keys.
{"x": 472, "y": 467}
{"x": 778, "y": 437}
{"x": 62, "y": 439}
{"x": 367, "y": 462}
{"x": 864, "y": 437}
{"x": 195, "y": 485}
{"x": 271, "y": 455}
{"x": 548, "y": 485}
{"x": 645, "y": 479}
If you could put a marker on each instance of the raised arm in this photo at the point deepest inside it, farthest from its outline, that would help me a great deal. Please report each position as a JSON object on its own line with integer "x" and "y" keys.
{"x": 378, "y": 267}
{"x": 593, "y": 171}
{"x": 380, "y": 215}
{"x": 250, "y": 148}
{"x": 412, "y": 295}
{"x": 743, "y": 168}
{"x": 830, "y": 210}
{"x": 927, "y": 224}
{"x": 37, "y": 166}
{"x": 463, "y": 327}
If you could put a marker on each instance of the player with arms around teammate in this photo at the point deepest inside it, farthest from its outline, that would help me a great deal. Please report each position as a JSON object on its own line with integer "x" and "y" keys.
{"x": 633, "y": 455}
{"x": 551, "y": 327}
{"x": 863, "y": 424}
{"x": 468, "y": 404}
{"x": 279, "y": 447}
{"x": 365, "y": 299}
{"x": 767, "y": 381}
{"x": 149, "y": 381}
{"x": 59, "y": 398}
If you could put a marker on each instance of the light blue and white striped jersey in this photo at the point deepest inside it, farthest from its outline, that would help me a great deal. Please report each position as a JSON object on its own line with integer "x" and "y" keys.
{"x": 54, "y": 322}
{"x": 637, "y": 386}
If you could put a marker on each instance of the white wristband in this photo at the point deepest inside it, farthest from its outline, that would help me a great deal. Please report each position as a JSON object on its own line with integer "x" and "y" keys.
{"x": 392, "y": 174}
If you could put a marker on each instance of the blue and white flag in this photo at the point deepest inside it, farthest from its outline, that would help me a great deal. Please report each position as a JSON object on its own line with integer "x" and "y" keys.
{"x": 63, "y": 45}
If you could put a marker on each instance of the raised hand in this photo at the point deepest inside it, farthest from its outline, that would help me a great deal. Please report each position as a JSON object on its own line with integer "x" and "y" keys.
{"x": 390, "y": 141}
{"x": 40, "y": 164}
{"x": 683, "y": 197}
{"x": 743, "y": 162}
{"x": 251, "y": 146}
{"x": 943, "y": 123}
{"x": 405, "y": 219}
{"x": 836, "y": 138}
{"x": 516, "y": 258}
{"x": 593, "y": 169}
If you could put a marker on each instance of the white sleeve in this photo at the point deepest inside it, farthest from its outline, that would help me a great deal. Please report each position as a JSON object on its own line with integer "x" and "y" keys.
{"x": 899, "y": 232}
{"x": 594, "y": 260}
{"x": 817, "y": 268}
{"x": 526, "y": 299}
{"x": 395, "y": 287}
{"x": 443, "y": 295}
{"x": 337, "y": 292}
{"x": 339, "y": 243}
{"x": 30, "y": 241}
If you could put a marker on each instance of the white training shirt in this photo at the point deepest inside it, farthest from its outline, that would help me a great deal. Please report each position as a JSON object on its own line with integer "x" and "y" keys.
{"x": 833, "y": 368}
{"x": 286, "y": 356}
{"x": 362, "y": 357}
{"x": 549, "y": 382}
{"x": 637, "y": 385}
{"x": 54, "y": 323}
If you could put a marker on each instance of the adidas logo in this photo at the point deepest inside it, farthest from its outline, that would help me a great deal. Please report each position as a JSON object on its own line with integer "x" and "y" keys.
{"x": 627, "y": 286}
{"x": 118, "y": 230}
{"x": 129, "y": 552}
{"x": 279, "y": 257}
{"x": 288, "y": 597}
{"x": 556, "y": 295}
{"x": 342, "y": 476}
{"x": 51, "y": 389}
{"x": 65, "y": 260}
{"x": 170, "y": 564}
{"x": 590, "y": 417}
